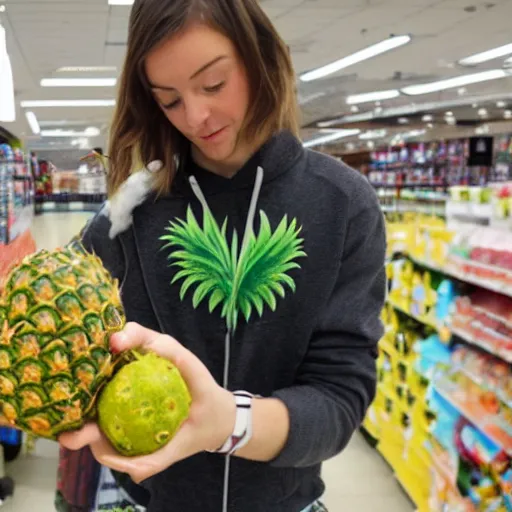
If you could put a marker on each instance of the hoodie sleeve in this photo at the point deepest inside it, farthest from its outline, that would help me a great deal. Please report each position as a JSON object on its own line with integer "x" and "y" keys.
{"x": 337, "y": 379}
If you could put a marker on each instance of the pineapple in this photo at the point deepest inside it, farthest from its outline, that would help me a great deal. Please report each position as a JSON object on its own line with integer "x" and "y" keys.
{"x": 57, "y": 312}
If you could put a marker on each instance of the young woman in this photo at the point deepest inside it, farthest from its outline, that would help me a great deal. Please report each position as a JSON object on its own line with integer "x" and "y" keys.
{"x": 253, "y": 264}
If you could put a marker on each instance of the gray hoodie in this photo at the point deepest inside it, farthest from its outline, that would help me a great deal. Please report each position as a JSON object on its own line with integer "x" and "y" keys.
{"x": 301, "y": 324}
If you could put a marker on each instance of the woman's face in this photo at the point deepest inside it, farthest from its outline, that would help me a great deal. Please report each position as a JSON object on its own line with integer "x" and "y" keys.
{"x": 201, "y": 85}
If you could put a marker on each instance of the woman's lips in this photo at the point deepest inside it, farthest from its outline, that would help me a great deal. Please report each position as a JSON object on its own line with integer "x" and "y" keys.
{"x": 213, "y": 135}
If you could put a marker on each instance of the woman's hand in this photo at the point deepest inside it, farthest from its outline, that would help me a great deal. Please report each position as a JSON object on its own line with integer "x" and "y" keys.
{"x": 210, "y": 422}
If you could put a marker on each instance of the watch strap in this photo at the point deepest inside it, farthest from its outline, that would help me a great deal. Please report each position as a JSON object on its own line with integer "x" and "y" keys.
{"x": 242, "y": 431}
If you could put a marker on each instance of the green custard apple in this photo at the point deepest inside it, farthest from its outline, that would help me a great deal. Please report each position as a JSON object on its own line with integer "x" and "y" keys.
{"x": 143, "y": 406}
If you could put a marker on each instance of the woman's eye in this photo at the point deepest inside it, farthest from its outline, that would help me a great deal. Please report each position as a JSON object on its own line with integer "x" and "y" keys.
{"x": 215, "y": 88}
{"x": 170, "y": 106}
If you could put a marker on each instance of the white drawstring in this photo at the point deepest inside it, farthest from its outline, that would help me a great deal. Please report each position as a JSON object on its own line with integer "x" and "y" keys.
{"x": 249, "y": 230}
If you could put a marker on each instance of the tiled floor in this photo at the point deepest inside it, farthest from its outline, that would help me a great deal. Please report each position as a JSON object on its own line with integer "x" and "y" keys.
{"x": 357, "y": 481}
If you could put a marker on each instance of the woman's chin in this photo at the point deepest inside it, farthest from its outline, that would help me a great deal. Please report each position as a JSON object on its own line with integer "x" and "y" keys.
{"x": 219, "y": 152}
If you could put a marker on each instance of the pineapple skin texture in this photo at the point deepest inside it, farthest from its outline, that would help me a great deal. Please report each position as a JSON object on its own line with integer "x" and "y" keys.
{"x": 57, "y": 312}
{"x": 143, "y": 406}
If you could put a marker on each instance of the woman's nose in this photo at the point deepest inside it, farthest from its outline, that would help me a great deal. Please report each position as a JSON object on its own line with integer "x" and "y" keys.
{"x": 197, "y": 113}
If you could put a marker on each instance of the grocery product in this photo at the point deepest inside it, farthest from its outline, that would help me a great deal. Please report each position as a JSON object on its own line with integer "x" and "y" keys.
{"x": 442, "y": 416}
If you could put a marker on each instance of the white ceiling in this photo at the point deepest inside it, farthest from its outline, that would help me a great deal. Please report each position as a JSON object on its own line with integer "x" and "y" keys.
{"x": 44, "y": 35}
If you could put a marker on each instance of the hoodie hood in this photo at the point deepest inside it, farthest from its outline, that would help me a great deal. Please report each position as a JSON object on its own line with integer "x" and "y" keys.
{"x": 276, "y": 156}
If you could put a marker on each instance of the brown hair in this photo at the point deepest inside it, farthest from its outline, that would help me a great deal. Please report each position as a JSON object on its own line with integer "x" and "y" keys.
{"x": 140, "y": 131}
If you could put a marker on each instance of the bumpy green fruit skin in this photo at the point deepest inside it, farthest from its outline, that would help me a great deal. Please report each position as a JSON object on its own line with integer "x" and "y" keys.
{"x": 143, "y": 406}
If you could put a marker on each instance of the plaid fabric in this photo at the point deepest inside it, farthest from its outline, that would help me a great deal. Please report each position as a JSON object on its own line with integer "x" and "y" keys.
{"x": 110, "y": 496}
{"x": 316, "y": 507}
{"x": 76, "y": 481}
{"x": 85, "y": 486}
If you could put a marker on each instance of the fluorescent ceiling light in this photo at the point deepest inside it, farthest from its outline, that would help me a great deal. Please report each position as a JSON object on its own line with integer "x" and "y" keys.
{"x": 85, "y": 69}
{"x": 68, "y": 103}
{"x": 345, "y": 62}
{"x": 501, "y": 104}
{"x": 325, "y": 124}
{"x": 458, "y": 81}
{"x": 303, "y": 100}
{"x": 507, "y": 114}
{"x": 78, "y": 82}
{"x": 482, "y": 112}
{"x": 2, "y": 8}
{"x": 63, "y": 122}
{"x": 32, "y": 121}
{"x": 372, "y": 96}
{"x": 120, "y": 2}
{"x": 340, "y": 134}
{"x": 427, "y": 118}
{"x": 88, "y": 132}
{"x": 7, "y": 104}
{"x": 414, "y": 133}
{"x": 448, "y": 114}
{"x": 373, "y": 134}
{"x": 495, "y": 53}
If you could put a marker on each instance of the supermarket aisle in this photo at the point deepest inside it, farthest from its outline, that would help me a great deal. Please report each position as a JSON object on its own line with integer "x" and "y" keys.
{"x": 51, "y": 230}
{"x": 358, "y": 480}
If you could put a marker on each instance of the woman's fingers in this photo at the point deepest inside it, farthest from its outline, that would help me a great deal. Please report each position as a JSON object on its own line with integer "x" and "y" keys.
{"x": 77, "y": 440}
{"x": 133, "y": 336}
{"x": 183, "y": 445}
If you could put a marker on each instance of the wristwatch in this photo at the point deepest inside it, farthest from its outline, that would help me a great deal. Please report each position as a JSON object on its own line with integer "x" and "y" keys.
{"x": 242, "y": 432}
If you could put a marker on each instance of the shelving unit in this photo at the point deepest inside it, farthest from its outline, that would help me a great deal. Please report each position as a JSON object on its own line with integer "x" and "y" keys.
{"x": 442, "y": 417}
{"x": 16, "y": 194}
{"x": 16, "y": 216}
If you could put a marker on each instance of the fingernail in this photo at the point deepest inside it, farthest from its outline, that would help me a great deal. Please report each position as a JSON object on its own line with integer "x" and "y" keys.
{"x": 117, "y": 341}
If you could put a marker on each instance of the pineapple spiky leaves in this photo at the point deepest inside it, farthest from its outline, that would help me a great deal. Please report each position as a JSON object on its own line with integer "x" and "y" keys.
{"x": 57, "y": 312}
{"x": 240, "y": 280}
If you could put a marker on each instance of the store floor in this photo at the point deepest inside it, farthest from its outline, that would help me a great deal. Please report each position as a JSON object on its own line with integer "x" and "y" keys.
{"x": 358, "y": 480}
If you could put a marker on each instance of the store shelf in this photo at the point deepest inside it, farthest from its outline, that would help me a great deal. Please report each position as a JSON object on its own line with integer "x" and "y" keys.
{"x": 407, "y": 185}
{"x": 71, "y": 197}
{"x": 504, "y": 355}
{"x": 404, "y": 207}
{"x": 451, "y": 270}
{"x": 469, "y": 211}
{"x": 495, "y": 427}
{"x": 23, "y": 222}
{"x": 421, "y": 319}
{"x": 479, "y": 381}
{"x": 400, "y": 481}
